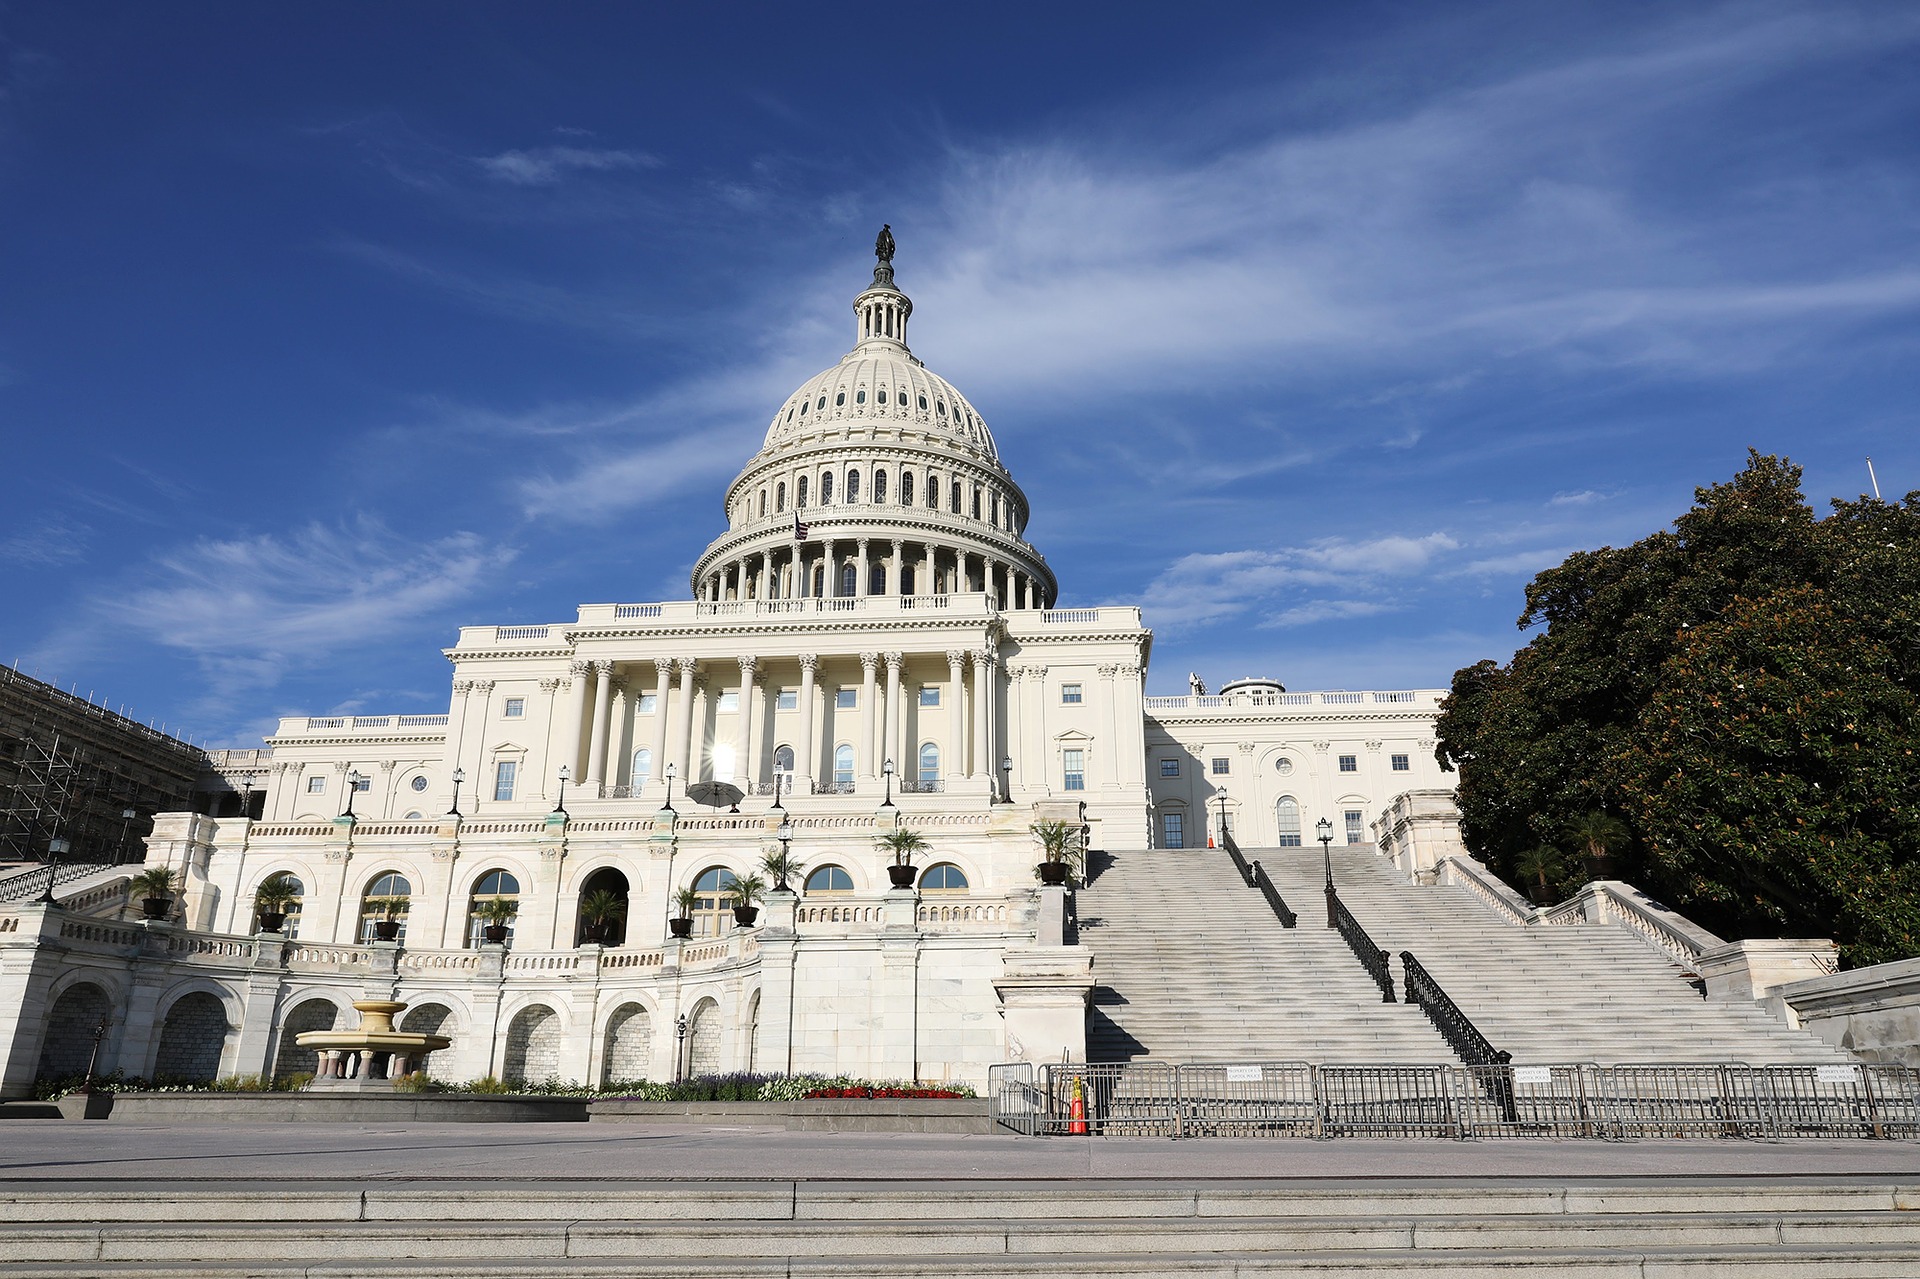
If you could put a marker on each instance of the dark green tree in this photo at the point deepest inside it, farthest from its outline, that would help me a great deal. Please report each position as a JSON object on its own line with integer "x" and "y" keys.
{"x": 1788, "y": 812}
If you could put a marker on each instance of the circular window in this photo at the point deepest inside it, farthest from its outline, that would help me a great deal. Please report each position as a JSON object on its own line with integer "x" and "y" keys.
{"x": 1283, "y": 765}
{"x": 420, "y": 783}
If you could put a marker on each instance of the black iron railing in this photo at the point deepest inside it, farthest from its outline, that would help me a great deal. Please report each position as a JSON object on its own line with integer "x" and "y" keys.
{"x": 1239, "y": 861}
{"x": 1371, "y": 957}
{"x": 1454, "y": 1025}
{"x": 1260, "y": 881}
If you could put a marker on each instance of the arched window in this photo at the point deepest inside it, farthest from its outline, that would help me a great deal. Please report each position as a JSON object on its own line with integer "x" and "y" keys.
{"x": 853, "y": 487}
{"x": 783, "y": 760}
{"x": 803, "y": 408}
{"x": 929, "y": 763}
{"x": 923, "y": 404}
{"x": 495, "y": 885}
{"x": 297, "y": 892}
{"x": 826, "y": 489}
{"x": 906, "y": 488}
{"x": 955, "y": 503}
{"x": 879, "y": 487}
{"x": 883, "y": 395}
{"x": 1288, "y": 811}
{"x": 387, "y": 896}
{"x": 604, "y": 886}
{"x": 713, "y": 913}
{"x": 859, "y": 397}
{"x": 822, "y": 404}
{"x": 642, "y": 767}
{"x": 829, "y": 879}
{"x": 933, "y": 491}
{"x": 840, "y": 399}
{"x": 849, "y": 579}
{"x": 800, "y": 493}
{"x": 763, "y": 501}
{"x": 976, "y": 501}
{"x": 843, "y": 765}
{"x": 906, "y": 579}
{"x": 780, "y": 497}
{"x": 944, "y": 878}
{"x": 877, "y": 579}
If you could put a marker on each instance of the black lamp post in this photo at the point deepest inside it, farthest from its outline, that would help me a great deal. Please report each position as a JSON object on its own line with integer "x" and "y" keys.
{"x": 778, "y": 807}
{"x": 1324, "y": 829}
{"x": 353, "y": 785}
{"x": 886, "y": 771}
{"x": 56, "y": 849}
{"x": 1006, "y": 779}
{"x": 126, "y": 828}
{"x": 459, "y": 775}
{"x": 560, "y": 806}
{"x": 785, "y": 836}
{"x": 668, "y": 806}
{"x": 680, "y": 1051}
{"x": 1222, "y": 793}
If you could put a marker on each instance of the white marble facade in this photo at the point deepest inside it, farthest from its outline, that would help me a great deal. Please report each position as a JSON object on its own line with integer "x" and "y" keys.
{"x": 911, "y": 625}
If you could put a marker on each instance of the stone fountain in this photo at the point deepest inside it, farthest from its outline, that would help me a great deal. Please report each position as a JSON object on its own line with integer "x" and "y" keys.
{"x": 372, "y": 1056}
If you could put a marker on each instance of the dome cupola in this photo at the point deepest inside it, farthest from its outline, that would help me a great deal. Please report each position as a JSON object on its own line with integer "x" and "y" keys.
{"x": 892, "y": 473}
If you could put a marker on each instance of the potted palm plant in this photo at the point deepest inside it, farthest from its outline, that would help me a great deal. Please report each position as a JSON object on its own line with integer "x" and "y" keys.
{"x": 155, "y": 887}
{"x": 902, "y": 842}
{"x": 783, "y": 866}
{"x": 387, "y": 912}
{"x": 600, "y": 911}
{"x": 270, "y": 901}
{"x": 495, "y": 913}
{"x": 748, "y": 892}
{"x": 1059, "y": 841}
{"x": 686, "y": 901}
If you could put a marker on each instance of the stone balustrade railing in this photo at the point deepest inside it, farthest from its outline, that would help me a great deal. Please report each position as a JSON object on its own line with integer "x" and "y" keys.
{"x": 299, "y": 725}
{"x": 1494, "y": 894}
{"x": 1274, "y": 701}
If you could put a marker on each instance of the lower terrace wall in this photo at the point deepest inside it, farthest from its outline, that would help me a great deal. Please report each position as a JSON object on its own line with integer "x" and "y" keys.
{"x": 897, "y": 987}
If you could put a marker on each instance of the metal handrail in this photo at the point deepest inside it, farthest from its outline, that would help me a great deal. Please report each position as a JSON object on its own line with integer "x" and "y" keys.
{"x": 1239, "y": 861}
{"x": 1453, "y": 1024}
{"x": 1260, "y": 881}
{"x": 1371, "y": 957}
{"x": 32, "y": 882}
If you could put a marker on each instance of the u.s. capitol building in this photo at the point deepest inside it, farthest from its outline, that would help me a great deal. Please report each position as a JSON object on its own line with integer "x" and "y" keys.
{"x": 870, "y": 643}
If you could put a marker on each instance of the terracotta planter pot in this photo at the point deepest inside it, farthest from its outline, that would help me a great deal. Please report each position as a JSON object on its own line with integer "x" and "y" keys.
{"x": 597, "y": 934}
{"x": 156, "y": 907}
{"x": 902, "y": 876}
{"x": 680, "y": 927}
{"x": 745, "y": 915}
{"x": 386, "y": 929}
{"x": 272, "y": 921}
{"x": 1053, "y": 874}
{"x": 495, "y": 934}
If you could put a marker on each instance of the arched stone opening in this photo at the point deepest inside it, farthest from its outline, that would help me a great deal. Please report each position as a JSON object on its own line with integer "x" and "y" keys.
{"x": 192, "y": 1038}
{"x": 610, "y": 931}
{"x": 308, "y": 1014}
{"x": 703, "y": 1039}
{"x": 533, "y": 1046}
{"x": 71, "y": 1023}
{"x": 629, "y": 1046}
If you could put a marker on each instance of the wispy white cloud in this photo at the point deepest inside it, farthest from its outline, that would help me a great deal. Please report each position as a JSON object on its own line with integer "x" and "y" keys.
{"x": 1200, "y": 589}
{"x": 1578, "y": 497}
{"x": 1328, "y": 611}
{"x": 545, "y": 166}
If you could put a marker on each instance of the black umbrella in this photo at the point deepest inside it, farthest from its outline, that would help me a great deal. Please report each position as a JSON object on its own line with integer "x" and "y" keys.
{"x": 716, "y": 794}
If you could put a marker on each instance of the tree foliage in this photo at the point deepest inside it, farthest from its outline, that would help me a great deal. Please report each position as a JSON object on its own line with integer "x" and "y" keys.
{"x": 1724, "y": 714}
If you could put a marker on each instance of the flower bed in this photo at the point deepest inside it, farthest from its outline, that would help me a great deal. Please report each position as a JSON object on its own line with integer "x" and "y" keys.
{"x": 884, "y": 1091}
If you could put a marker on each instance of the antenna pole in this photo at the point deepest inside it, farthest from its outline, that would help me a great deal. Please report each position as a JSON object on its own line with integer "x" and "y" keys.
{"x": 1874, "y": 479}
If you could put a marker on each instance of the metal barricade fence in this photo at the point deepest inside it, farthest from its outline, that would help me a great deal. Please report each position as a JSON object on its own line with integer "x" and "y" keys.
{"x": 1526, "y": 1101}
{"x": 1388, "y": 1101}
{"x": 1119, "y": 1100}
{"x": 1248, "y": 1099}
{"x": 1704, "y": 1099}
{"x": 1815, "y": 1101}
{"x": 1894, "y": 1093}
{"x": 1013, "y": 1101}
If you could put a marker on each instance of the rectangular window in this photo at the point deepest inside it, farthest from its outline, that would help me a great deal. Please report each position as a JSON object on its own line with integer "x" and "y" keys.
{"x": 1356, "y": 833}
{"x": 649, "y": 702}
{"x": 1171, "y": 833}
{"x": 788, "y": 699}
{"x": 316, "y": 785}
{"x": 364, "y": 784}
{"x": 514, "y": 708}
{"x": 1070, "y": 694}
{"x": 1074, "y": 764}
{"x": 1169, "y": 768}
{"x": 1401, "y": 764}
{"x": 846, "y": 699}
{"x": 730, "y": 700}
{"x": 1349, "y": 764}
{"x": 929, "y": 697}
{"x": 503, "y": 778}
{"x": 1221, "y": 767}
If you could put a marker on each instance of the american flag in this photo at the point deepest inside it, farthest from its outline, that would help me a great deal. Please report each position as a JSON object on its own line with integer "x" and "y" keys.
{"x": 799, "y": 529}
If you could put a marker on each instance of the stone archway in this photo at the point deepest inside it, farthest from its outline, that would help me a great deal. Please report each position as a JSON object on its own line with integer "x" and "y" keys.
{"x": 192, "y": 1038}
{"x": 533, "y": 1046}
{"x": 629, "y": 1047}
{"x": 308, "y": 1014}
{"x": 68, "y": 1045}
{"x": 703, "y": 1039}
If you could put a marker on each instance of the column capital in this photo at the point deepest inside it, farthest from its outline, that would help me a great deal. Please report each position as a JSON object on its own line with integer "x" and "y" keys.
{"x": 956, "y": 658}
{"x": 685, "y": 667}
{"x": 603, "y": 668}
{"x": 579, "y": 669}
{"x": 986, "y": 657}
{"x": 483, "y": 686}
{"x": 809, "y": 662}
{"x": 463, "y": 686}
{"x": 388, "y": 765}
{"x": 748, "y": 665}
{"x": 894, "y": 660}
{"x": 551, "y": 684}
{"x": 869, "y": 661}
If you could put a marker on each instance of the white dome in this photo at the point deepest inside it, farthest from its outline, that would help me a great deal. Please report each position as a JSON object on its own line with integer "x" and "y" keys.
{"x": 880, "y": 388}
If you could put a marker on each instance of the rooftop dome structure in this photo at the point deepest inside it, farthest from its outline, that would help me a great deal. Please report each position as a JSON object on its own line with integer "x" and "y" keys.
{"x": 877, "y": 477}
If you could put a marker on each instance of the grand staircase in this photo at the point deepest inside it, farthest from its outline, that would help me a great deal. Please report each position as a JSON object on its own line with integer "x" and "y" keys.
{"x": 1193, "y": 966}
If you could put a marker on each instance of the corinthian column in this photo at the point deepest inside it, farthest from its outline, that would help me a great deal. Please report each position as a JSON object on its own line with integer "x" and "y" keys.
{"x": 896, "y": 717}
{"x": 982, "y": 727}
{"x": 803, "y": 758}
{"x": 602, "y": 711}
{"x": 662, "y": 672}
{"x": 956, "y": 715}
{"x": 683, "y": 719}
{"x": 744, "y": 773}
{"x": 868, "y": 662}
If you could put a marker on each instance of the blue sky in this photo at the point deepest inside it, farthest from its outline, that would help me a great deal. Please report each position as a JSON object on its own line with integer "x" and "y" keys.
{"x": 1316, "y": 329}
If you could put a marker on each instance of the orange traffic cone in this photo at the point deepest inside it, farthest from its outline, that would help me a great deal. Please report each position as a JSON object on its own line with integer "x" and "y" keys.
{"x": 1078, "y": 1115}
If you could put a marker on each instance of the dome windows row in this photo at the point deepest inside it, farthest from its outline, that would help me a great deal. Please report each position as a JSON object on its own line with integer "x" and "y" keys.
{"x": 900, "y": 402}
{"x": 983, "y": 502}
